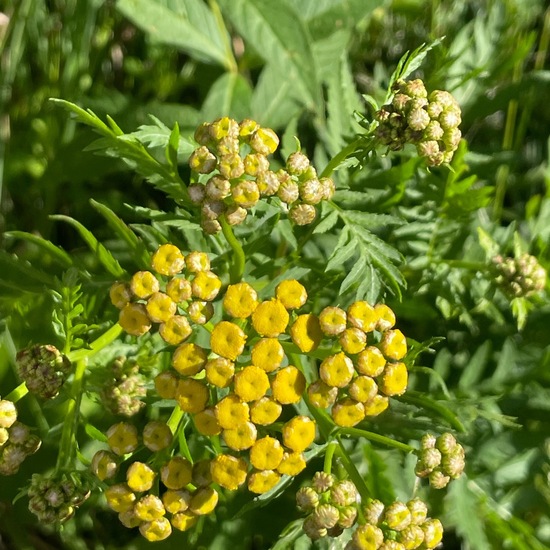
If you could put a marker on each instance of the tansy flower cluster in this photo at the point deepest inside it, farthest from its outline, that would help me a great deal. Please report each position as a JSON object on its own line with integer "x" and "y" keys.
{"x": 430, "y": 122}
{"x": 440, "y": 459}
{"x": 519, "y": 277}
{"x": 234, "y": 157}
{"x": 331, "y": 505}
{"x": 185, "y": 489}
{"x": 16, "y": 440}
{"x": 179, "y": 294}
{"x": 356, "y": 381}
{"x": 399, "y": 526}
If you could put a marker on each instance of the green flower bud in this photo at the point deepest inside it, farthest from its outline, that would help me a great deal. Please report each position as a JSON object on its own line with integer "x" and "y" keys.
{"x": 255, "y": 164}
{"x": 302, "y": 214}
{"x": 231, "y": 166}
{"x": 430, "y": 458}
{"x": 450, "y": 118}
{"x": 397, "y": 516}
{"x": 212, "y": 210}
{"x": 434, "y": 109}
{"x": 288, "y": 191}
{"x": 247, "y": 127}
{"x": 18, "y": 433}
{"x": 451, "y": 139}
{"x": 311, "y": 192}
{"x": 414, "y": 88}
{"x": 433, "y": 532}
{"x": 419, "y": 511}
{"x": 453, "y": 464}
{"x": 343, "y": 493}
{"x": 433, "y": 131}
{"x": 368, "y": 536}
{"x": 445, "y": 443}
{"x": 211, "y": 227}
{"x": 373, "y": 511}
{"x": 297, "y": 163}
{"x": 438, "y": 480}
{"x": 312, "y": 530}
{"x": 328, "y": 187}
{"x": 322, "y": 481}
{"x": 235, "y": 214}
{"x": 411, "y": 537}
{"x": 202, "y": 134}
{"x": 228, "y": 146}
{"x": 348, "y": 515}
{"x": 8, "y": 413}
{"x": 122, "y": 393}
{"x": 4, "y": 436}
{"x": 197, "y": 193}
{"x": 224, "y": 127}
{"x": 391, "y": 545}
{"x": 104, "y": 465}
{"x": 217, "y": 188}
{"x": 307, "y": 499}
{"x": 418, "y": 119}
{"x": 400, "y": 101}
{"x": 202, "y": 160}
{"x": 444, "y": 98}
{"x": 268, "y": 183}
{"x": 326, "y": 516}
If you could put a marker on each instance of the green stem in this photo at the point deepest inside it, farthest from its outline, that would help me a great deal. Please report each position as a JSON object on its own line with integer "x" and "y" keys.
{"x": 462, "y": 264}
{"x": 237, "y": 266}
{"x": 371, "y": 436}
{"x": 97, "y": 345}
{"x": 352, "y": 471}
{"x": 17, "y": 393}
{"x": 231, "y": 64}
{"x": 431, "y": 372}
{"x": 67, "y": 447}
{"x": 331, "y": 448}
{"x": 339, "y": 158}
{"x": 175, "y": 419}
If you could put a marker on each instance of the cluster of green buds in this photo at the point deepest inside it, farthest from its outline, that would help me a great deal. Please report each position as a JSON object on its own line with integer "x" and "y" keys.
{"x": 428, "y": 121}
{"x": 440, "y": 459}
{"x": 331, "y": 505}
{"x": 124, "y": 387}
{"x": 357, "y": 381}
{"x": 55, "y": 499}
{"x": 398, "y": 526}
{"x": 44, "y": 369}
{"x": 16, "y": 440}
{"x": 183, "y": 495}
{"x": 519, "y": 277}
{"x": 233, "y": 157}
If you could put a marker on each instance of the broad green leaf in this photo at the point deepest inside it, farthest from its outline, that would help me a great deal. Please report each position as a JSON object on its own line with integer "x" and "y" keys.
{"x": 275, "y": 30}
{"x": 230, "y": 95}
{"x": 201, "y": 39}
{"x": 58, "y": 254}
{"x": 105, "y": 258}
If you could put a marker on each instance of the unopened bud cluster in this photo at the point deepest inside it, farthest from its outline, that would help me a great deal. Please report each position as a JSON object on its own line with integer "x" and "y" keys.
{"x": 357, "y": 381}
{"x": 44, "y": 369}
{"x": 440, "y": 459}
{"x": 185, "y": 488}
{"x": 331, "y": 505}
{"x": 235, "y": 156}
{"x": 16, "y": 440}
{"x": 54, "y": 499}
{"x": 124, "y": 387}
{"x": 428, "y": 121}
{"x": 519, "y": 277}
{"x": 398, "y": 526}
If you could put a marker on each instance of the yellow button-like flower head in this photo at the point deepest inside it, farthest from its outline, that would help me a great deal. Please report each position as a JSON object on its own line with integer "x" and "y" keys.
{"x": 292, "y": 464}
{"x": 268, "y": 354}
{"x": 232, "y": 412}
{"x": 306, "y": 332}
{"x": 220, "y": 371}
{"x": 197, "y": 261}
{"x": 104, "y": 465}
{"x": 378, "y": 404}
{"x": 353, "y": 340}
{"x": 240, "y": 300}
{"x": 270, "y": 318}
{"x": 371, "y": 361}
{"x": 228, "y": 471}
{"x": 189, "y": 359}
{"x": 120, "y": 294}
{"x": 394, "y": 344}
{"x": 263, "y": 481}
{"x": 228, "y": 340}
{"x": 168, "y": 260}
{"x": 160, "y": 307}
{"x": 363, "y": 389}
{"x": 206, "y": 285}
{"x": 251, "y": 383}
{"x": 140, "y": 477}
{"x": 362, "y": 315}
{"x": 241, "y": 437}
{"x": 299, "y": 433}
{"x": 158, "y": 529}
{"x": 122, "y": 438}
{"x": 337, "y": 370}
{"x": 291, "y": 294}
{"x": 386, "y": 317}
{"x": 166, "y": 384}
{"x": 394, "y": 379}
{"x": 179, "y": 289}
{"x": 322, "y": 395}
{"x": 348, "y": 412}
{"x": 149, "y": 508}
{"x": 265, "y": 411}
{"x": 175, "y": 330}
{"x": 333, "y": 320}
{"x": 120, "y": 497}
{"x": 157, "y": 435}
{"x": 200, "y": 312}
{"x": 288, "y": 385}
{"x": 266, "y": 453}
{"x": 176, "y": 473}
{"x": 207, "y": 423}
{"x": 203, "y": 501}
{"x": 176, "y": 500}
{"x": 192, "y": 395}
{"x": 134, "y": 320}
{"x": 183, "y": 521}
{"x": 143, "y": 284}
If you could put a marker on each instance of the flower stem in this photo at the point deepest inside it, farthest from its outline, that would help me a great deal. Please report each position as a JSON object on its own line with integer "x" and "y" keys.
{"x": 17, "y": 393}
{"x": 352, "y": 471}
{"x": 339, "y": 158}
{"x": 371, "y": 436}
{"x": 97, "y": 345}
{"x": 329, "y": 454}
{"x": 237, "y": 267}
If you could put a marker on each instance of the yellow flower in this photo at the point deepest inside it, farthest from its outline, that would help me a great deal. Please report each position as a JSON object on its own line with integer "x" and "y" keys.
{"x": 166, "y": 384}
{"x": 203, "y": 501}
{"x": 157, "y": 435}
{"x": 104, "y": 465}
{"x": 134, "y": 320}
{"x": 377, "y": 405}
{"x": 337, "y": 370}
{"x": 288, "y": 385}
{"x": 143, "y": 284}
{"x": 192, "y": 395}
{"x": 292, "y": 464}
{"x": 158, "y": 529}
{"x": 179, "y": 289}
{"x": 232, "y": 412}
{"x": 298, "y": 433}
{"x": 140, "y": 477}
{"x": 197, "y": 261}
{"x": 220, "y": 371}
{"x": 266, "y": 453}
{"x": 206, "y": 422}
{"x": 306, "y": 332}
{"x": 291, "y": 294}
{"x": 433, "y": 532}
{"x": 265, "y": 411}
{"x": 348, "y": 412}
{"x": 261, "y": 482}
{"x": 322, "y": 395}
{"x": 268, "y": 354}
{"x": 183, "y": 521}
{"x": 160, "y": 307}
{"x": 362, "y": 315}
{"x": 168, "y": 260}
{"x": 176, "y": 473}
{"x": 189, "y": 359}
{"x": 246, "y": 193}
{"x": 120, "y": 497}
{"x": 176, "y": 501}
{"x": 353, "y": 340}
{"x": 255, "y": 164}
{"x": 251, "y": 383}
{"x": 175, "y": 330}
{"x": 206, "y": 285}
{"x": 122, "y": 438}
{"x": 149, "y": 507}
{"x": 363, "y": 389}
{"x": 240, "y": 300}
{"x": 241, "y": 437}
{"x": 394, "y": 379}
{"x": 386, "y": 317}
{"x": 393, "y": 344}
{"x": 228, "y": 471}
{"x": 264, "y": 141}
{"x": 332, "y": 320}
{"x": 247, "y": 127}
{"x": 371, "y": 362}
{"x": 120, "y": 294}
{"x": 228, "y": 340}
{"x": 270, "y": 318}
{"x": 200, "y": 312}
{"x": 368, "y": 537}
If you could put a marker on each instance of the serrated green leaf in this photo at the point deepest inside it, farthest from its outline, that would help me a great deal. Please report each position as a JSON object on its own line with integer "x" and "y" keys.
{"x": 380, "y": 486}
{"x": 230, "y": 95}
{"x": 105, "y": 258}
{"x": 356, "y": 273}
{"x": 327, "y": 223}
{"x": 475, "y": 368}
{"x": 57, "y": 254}
{"x": 20, "y": 275}
{"x": 158, "y": 135}
{"x": 171, "y": 150}
{"x": 342, "y": 252}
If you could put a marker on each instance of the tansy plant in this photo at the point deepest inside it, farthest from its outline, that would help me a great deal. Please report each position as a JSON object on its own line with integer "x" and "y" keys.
{"x": 233, "y": 374}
